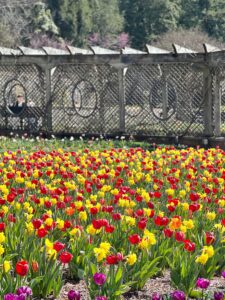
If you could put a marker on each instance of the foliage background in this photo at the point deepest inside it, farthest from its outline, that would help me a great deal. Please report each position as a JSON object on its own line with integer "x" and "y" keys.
{"x": 112, "y": 23}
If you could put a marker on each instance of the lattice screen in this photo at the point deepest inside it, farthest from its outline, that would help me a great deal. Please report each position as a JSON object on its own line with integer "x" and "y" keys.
{"x": 164, "y": 100}
{"x": 27, "y": 83}
{"x": 85, "y": 99}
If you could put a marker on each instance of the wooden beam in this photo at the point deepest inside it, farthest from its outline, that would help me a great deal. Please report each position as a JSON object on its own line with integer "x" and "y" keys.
{"x": 155, "y": 50}
{"x": 54, "y": 51}
{"x": 102, "y": 51}
{"x": 76, "y": 51}
{"x": 182, "y": 50}
{"x": 113, "y": 59}
{"x": 127, "y": 50}
{"x": 209, "y": 48}
{"x": 9, "y": 51}
{"x": 30, "y": 51}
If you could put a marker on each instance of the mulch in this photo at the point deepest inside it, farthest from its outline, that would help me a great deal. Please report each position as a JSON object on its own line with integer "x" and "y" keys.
{"x": 161, "y": 285}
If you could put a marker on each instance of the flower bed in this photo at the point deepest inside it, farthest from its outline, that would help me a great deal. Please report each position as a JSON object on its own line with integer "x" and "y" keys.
{"x": 114, "y": 217}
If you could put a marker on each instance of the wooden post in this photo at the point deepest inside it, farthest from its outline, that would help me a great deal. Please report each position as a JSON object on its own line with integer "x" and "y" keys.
{"x": 217, "y": 106}
{"x": 164, "y": 95}
{"x": 48, "y": 121}
{"x": 121, "y": 78}
{"x": 102, "y": 103}
{"x": 208, "y": 109}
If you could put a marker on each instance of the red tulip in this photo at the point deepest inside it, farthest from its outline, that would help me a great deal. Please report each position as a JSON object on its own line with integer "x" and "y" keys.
{"x": 194, "y": 197}
{"x": 112, "y": 259}
{"x": 210, "y": 238}
{"x": 42, "y": 232}
{"x": 93, "y": 210}
{"x": 37, "y": 223}
{"x": 116, "y": 217}
{"x": 22, "y": 268}
{"x": 194, "y": 207}
{"x": 109, "y": 228}
{"x": 134, "y": 239}
{"x": 2, "y": 226}
{"x": 142, "y": 223}
{"x": 58, "y": 246}
{"x": 189, "y": 246}
{"x": 168, "y": 232}
{"x": 65, "y": 257}
{"x": 179, "y": 236}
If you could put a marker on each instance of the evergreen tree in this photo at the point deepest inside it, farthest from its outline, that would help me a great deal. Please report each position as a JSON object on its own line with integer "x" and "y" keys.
{"x": 208, "y": 15}
{"x": 146, "y": 19}
{"x": 73, "y": 17}
{"x": 78, "y": 19}
{"x": 190, "y": 14}
{"x": 106, "y": 17}
{"x": 213, "y": 18}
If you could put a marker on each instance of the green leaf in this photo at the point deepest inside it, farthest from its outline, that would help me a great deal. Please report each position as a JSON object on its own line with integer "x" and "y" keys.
{"x": 119, "y": 274}
{"x": 35, "y": 281}
{"x": 93, "y": 268}
{"x": 196, "y": 294}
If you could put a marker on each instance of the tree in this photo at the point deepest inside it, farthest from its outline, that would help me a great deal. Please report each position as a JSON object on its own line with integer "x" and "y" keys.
{"x": 80, "y": 19}
{"x": 14, "y": 24}
{"x": 191, "y": 14}
{"x": 146, "y": 19}
{"x": 208, "y": 15}
{"x": 42, "y": 20}
{"x": 106, "y": 18}
{"x": 73, "y": 18}
{"x": 213, "y": 21}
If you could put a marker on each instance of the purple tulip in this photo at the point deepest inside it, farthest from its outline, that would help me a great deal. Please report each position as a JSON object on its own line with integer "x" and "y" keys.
{"x": 73, "y": 295}
{"x": 178, "y": 295}
{"x": 100, "y": 298}
{"x": 10, "y": 297}
{"x": 99, "y": 278}
{"x": 24, "y": 290}
{"x": 223, "y": 274}
{"x": 156, "y": 296}
{"x": 202, "y": 283}
{"x": 218, "y": 296}
{"x": 21, "y": 297}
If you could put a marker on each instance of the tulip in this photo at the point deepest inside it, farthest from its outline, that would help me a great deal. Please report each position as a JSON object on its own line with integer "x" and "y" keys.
{"x": 178, "y": 295}
{"x": 223, "y": 274}
{"x": 134, "y": 239}
{"x": 156, "y": 296}
{"x": 99, "y": 278}
{"x": 35, "y": 266}
{"x": 73, "y": 295}
{"x": 218, "y": 296}
{"x": 22, "y": 268}
{"x": 58, "y": 246}
{"x": 10, "y": 297}
{"x": 24, "y": 290}
{"x": 112, "y": 259}
{"x": 66, "y": 257}
{"x": 100, "y": 298}
{"x": 202, "y": 283}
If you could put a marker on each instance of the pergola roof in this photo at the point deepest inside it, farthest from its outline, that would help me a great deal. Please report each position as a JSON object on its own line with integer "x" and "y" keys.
{"x": 96, "y": 50}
